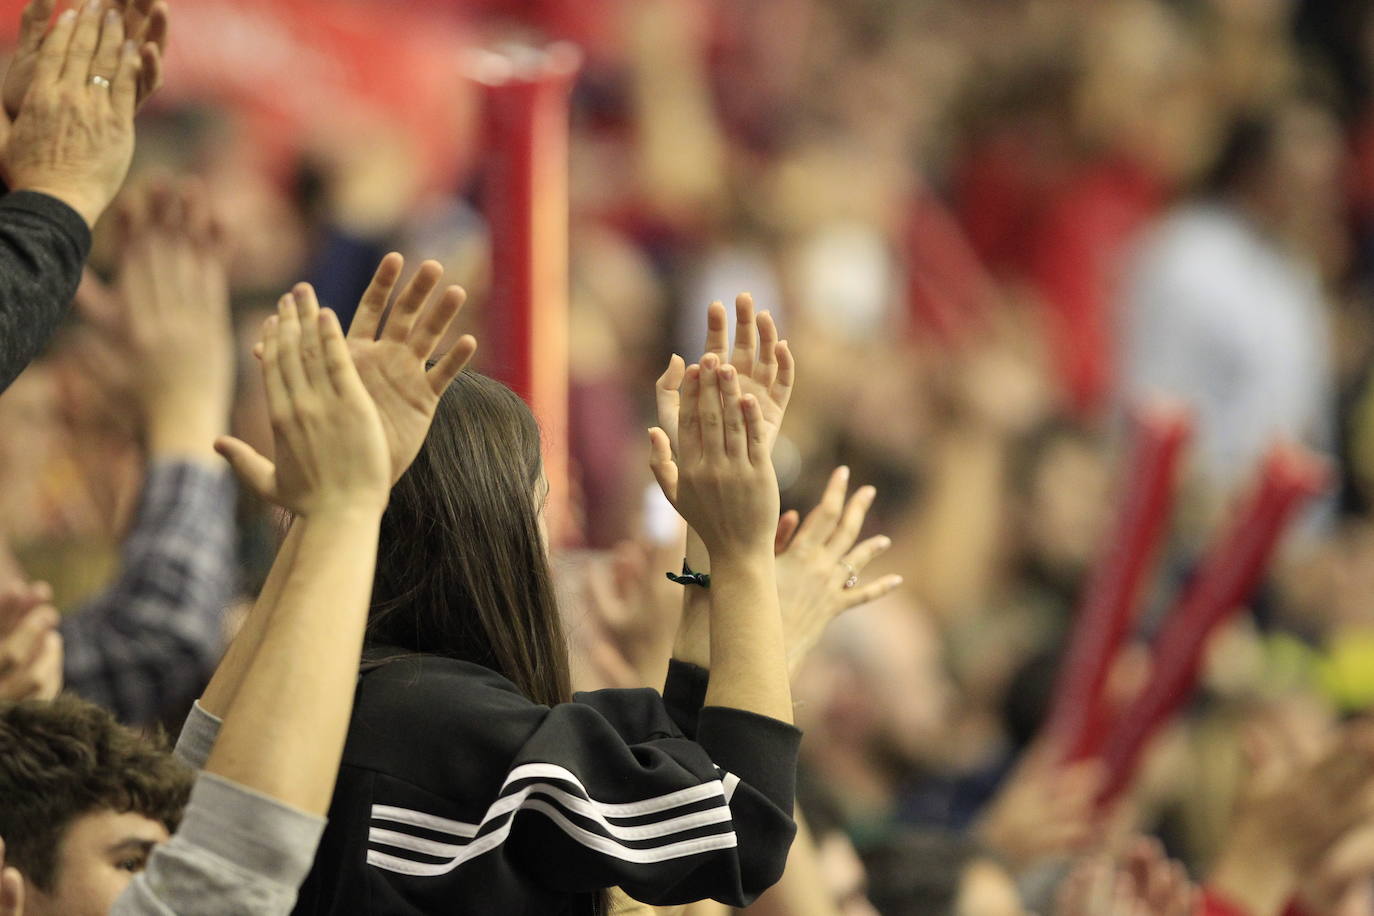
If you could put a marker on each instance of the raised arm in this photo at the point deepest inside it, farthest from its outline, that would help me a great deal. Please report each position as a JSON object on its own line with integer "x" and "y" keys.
{"x": 394, "y": 367}
{"x": 153, "y": 636}
{"x": 64, "y": 158}
{"x": 723, "y": 484}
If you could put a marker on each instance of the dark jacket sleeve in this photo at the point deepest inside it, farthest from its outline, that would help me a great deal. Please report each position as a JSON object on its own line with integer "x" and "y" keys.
{"x": 43, "y": 246}
{"x": 613, "y": 794}
{"x": 684, "y": 693}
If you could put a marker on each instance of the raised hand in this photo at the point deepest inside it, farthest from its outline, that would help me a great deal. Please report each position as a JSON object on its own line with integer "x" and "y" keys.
{"x": 1146, "y": 883}
{"x": 30, "y": 646}
{"x": 145, "y": 24}
{"x": 819, "y": 567}
{"x": 330, "y": 448}
{"x": 74, "y": 135}
{"x": 764, "y": 364}
{"x": 164, "y": 331}
{"x": 632, "y": 613}
{"x": 722, "y": 482}
{"x": 1044, "y": 810}
{"x": 394, "y": 364}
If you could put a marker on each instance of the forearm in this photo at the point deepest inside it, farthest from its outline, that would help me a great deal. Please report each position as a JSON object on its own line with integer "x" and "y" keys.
{"x": 43, "y": 246}
{"x": 1252, "y": 876}
{"x": 802, "y": 891}
{"x": 290, "y": 751}
{"x": 693, "y": 641}
{"x": 229, "y": 675}
{"x": 748, "y": 653}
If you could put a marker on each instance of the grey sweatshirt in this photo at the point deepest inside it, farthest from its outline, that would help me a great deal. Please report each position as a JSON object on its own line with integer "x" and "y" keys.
{"x": 236, "y": 853}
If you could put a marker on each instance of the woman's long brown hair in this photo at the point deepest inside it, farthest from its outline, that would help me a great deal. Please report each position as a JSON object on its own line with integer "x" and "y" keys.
{"x": 462, "y": 569}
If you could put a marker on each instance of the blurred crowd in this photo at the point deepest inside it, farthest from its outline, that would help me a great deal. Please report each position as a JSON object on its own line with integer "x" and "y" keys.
{"x": 990, "y": 230}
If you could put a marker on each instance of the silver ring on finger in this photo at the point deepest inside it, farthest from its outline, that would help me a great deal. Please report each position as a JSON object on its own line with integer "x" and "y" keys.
{"x": 853, "y": 579}
{"x": 100, "y": 81}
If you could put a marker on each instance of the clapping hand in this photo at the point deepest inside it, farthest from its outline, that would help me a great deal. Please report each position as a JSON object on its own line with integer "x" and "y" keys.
{"x": 145, "y": 24}
{"x": 392, "y": 358}
{"x": 73, "y": 137}
{"x": 30, "y": 646}
{"x": 330, "y": 448}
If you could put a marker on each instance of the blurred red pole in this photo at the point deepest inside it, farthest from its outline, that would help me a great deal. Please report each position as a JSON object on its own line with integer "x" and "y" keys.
{"x": 525, "y": 329}
{"x": 1232, "y": 567}
{"x": 1077, "y": 719}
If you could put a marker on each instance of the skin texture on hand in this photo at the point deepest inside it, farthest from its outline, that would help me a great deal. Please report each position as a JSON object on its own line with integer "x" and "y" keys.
{"x": 164, "y": 334}
{"x": 1144, "y": 883}
{"x": 74, "y": 138}
{"x": 330, "y": 451}
{"x": 30, "y": 646}
{"x": 392, "y": 358}
{"x": 145, "y": 24}
{"x": 813, "y": 561}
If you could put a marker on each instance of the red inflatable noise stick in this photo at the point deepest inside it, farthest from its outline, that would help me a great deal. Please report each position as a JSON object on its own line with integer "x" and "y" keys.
{"x": 1078, "y": 720}
{"x": 1233, "y": 566}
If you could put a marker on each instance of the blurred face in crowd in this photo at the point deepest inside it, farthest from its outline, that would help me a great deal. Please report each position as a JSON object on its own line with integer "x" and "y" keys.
{"x": 99, "y": 855}
{"x": 988, "y": 890}
{"x": 1068, "y": 492}
{"x": 844, "y": 876}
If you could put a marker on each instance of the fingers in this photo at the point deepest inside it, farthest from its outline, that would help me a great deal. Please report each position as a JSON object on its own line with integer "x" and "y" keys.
{"x": 709, "y": 409}
{"x": 289, "y": 349}
{"x": 412, "y": 300}
{"x": 372, "y": 306}
{"x": 736, "y": 445}
{"x": 766, "y": 364}
{"x": 757, "y": 430}
{"x": 746, "y": 347}
{"x": 689, "y": 443}
{"x": 20, "y": 649}
{"x": 341, "y": 374}
{"x": 33, "y": 25}
{"x": 106, "y": 61}
{"x": 781, "y": 389}
{"x": 312, "y": 348}
{"x": 76, "y": 69}
{"x": 863, "y": 594}
{"x": 661, "y": 463}
{"x": 820, "y": 522}
{"x": 852, "y": 520}
{"x": 53, "y": 55}
{"x": 47, "y": 669}
{"x": 451, "y": 363}
{"x": 278, "y": 399}
{"x": 150, "y": 72}
{"x": 256, "y": 472}
{"x": 668, "y": 396}
{"x": 717, "y": 334}
{"x": 436, "y": 321}
{"x": 124, "y": 87}
{"x": 787, "y": 526}
{"x": 867, "y": 552}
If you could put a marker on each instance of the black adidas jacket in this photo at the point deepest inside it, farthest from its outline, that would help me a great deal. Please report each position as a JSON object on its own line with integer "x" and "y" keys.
{"x": 459, "y": 795}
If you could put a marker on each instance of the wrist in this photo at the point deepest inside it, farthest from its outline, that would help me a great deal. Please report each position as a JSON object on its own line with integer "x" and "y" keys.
{"x": 346, "y": 509}
{"x": 184, "y": 429}
{"x": 88, "y": 210}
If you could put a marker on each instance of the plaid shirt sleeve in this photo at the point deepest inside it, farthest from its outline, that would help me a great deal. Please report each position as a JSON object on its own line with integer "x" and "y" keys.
{"x": 153, "y": 638}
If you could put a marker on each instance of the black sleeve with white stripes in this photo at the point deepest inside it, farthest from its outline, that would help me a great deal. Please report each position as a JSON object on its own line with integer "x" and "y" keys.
{"x": 611, "y": 794}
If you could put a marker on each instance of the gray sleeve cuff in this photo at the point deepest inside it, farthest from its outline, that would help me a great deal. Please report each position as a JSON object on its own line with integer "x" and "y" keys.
{"x": 251, "y": 830}
{"x": 197, "y": 737}
{"x": 242, "y": 850}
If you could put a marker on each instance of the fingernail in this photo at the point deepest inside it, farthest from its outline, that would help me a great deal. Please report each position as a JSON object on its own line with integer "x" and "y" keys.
{"x": 885, "y": 543}
{"x": 67, "y": 16}
{"x": 844, "y": 472}
{"x": 111, "y": 17}
{"x": 727, "y": 372}
{"x": 131, "y": 47}
{"x": 92, "y": 6}
{"x": 869, "y": 493}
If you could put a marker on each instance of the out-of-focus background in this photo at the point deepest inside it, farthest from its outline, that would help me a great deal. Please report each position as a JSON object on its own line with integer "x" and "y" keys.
{"x": 988, "y": 229}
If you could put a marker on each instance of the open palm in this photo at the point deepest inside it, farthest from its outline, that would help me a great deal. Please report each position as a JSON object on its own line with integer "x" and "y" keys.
{"x": 765, "y": 366}
{"x": 394, "y": 365}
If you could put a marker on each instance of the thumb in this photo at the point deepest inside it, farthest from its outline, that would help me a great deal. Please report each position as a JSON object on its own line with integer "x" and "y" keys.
{"x": 661, "y": 463}
{"x": 256, "y": 472}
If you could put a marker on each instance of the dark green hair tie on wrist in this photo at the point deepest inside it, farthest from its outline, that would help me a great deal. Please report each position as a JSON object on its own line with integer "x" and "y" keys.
{"x": 691, "y": 578}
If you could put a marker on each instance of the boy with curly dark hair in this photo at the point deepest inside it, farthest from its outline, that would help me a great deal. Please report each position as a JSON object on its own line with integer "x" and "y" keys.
{"x": 85, "y": 800}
